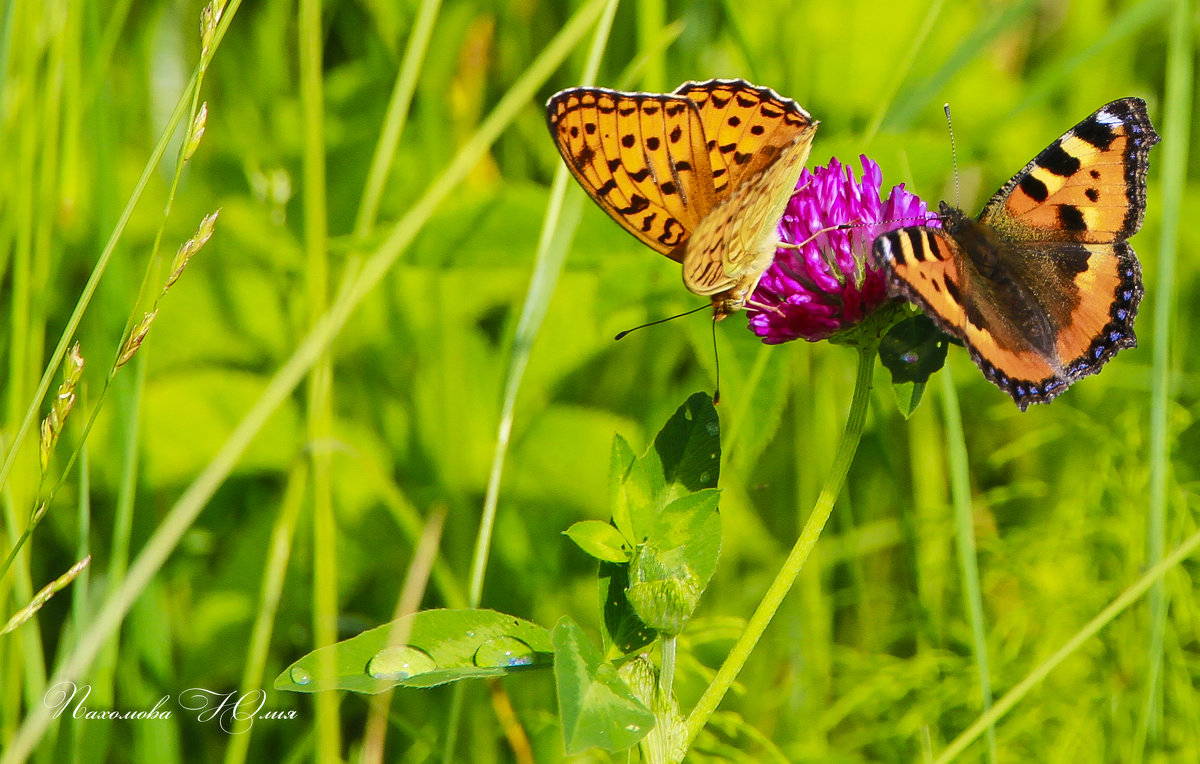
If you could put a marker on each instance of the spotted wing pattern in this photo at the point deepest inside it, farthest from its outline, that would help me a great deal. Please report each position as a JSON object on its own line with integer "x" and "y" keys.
{"x": 718, "y": 158}
{"x": 742, "y": 123}
{"x": 758, "y": 143}
{"x": 640, "y": 156}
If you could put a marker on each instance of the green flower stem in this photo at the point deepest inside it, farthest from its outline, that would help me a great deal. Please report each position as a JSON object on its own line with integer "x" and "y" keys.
{"x": 799, "y": 555}
{"x": 667, "y": 677}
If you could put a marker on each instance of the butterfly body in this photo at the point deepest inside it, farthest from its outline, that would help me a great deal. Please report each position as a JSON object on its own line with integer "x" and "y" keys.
{"x": 701, "y": 175}
{"x": 1043, "y": 287}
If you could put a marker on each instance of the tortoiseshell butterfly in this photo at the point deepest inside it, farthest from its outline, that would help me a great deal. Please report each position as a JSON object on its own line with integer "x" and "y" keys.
{"x": 1044, "y": 286}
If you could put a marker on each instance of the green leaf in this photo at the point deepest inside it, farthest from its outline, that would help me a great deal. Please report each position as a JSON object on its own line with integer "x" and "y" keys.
{"x": 624, "y": 631}
{"x": 664, "y": 507}
{"x": 601, "y": 540}
{"x": 442, "y": 646}
{"x": 621, "y": 463}
{"x": 913, "y": 349}
{"x": 641, "y": 495}
{"x": 685, "y": 457}
{"x": 595, "y": 706}
{"x": 685, "y": 522}
{"x": 908, "y": 396}
{"x": 669, "y": 572}
{"x": 689, "y": 444}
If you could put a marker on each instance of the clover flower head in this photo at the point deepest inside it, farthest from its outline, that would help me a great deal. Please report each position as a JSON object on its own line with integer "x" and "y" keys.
{"x": 828, "y": 282}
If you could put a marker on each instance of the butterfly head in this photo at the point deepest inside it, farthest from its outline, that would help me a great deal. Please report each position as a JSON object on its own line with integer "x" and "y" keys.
{"x": 726, "y": 304}
{"x": 952, "y": 219}
{"x": 947, "y": 211}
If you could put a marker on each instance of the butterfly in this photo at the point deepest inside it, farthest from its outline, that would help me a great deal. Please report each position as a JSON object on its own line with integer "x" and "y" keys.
{"x": 701, "y": 175}
{"x": 1043, "y": 287}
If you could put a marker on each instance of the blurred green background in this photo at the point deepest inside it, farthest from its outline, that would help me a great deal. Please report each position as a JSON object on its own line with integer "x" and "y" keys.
{"x": 870, "y": 659}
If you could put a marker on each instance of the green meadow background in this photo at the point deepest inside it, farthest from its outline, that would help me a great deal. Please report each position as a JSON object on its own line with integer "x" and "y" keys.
{"x": 379, "y": 313}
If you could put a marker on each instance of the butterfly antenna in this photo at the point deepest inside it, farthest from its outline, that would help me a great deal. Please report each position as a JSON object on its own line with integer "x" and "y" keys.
{"x": 717, "y": 359}
{"x": 621, "y": 335}
{"x": 953, "y": 154}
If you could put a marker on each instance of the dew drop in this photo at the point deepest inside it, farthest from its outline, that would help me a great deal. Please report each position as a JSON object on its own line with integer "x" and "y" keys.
{"x": 503, "y": 652}
{"x": 400, "y": 662}
{"x": 299, "y": 675}
{"x": 632, "y": 728}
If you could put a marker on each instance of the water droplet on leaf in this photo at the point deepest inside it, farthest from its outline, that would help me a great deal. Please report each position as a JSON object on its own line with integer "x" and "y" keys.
{"x": 400, "y": 662}
{"x": 503, "y": 652}
{"x": 299, "y": 676}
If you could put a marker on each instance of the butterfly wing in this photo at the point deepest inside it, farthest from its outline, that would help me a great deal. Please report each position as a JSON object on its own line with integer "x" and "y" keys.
{"x": 1088, "y": 186}
{"x": 1043, "y": 289}
{"x": 735, "y": 244}
{"x": 1034, "y": 334}
{"x": 642, "y": 157}
{"x": 758, "y": 143}
{"x": 740, "y": 120}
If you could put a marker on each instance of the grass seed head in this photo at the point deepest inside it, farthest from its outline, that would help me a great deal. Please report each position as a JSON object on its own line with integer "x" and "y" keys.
{"x": 196, "y": 131}
{"x": 191, "y": 247}
{"x": 135, "y": 338}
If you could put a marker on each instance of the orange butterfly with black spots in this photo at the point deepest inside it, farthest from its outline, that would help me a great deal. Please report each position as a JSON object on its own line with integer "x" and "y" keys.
{"x": 701, "y": 175}
{"x": 1044, "y": 286}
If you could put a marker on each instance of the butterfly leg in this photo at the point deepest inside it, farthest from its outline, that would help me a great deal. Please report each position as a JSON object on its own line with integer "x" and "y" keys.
{"x": 752, "y": 305}
{"x": 760, "y": 307}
